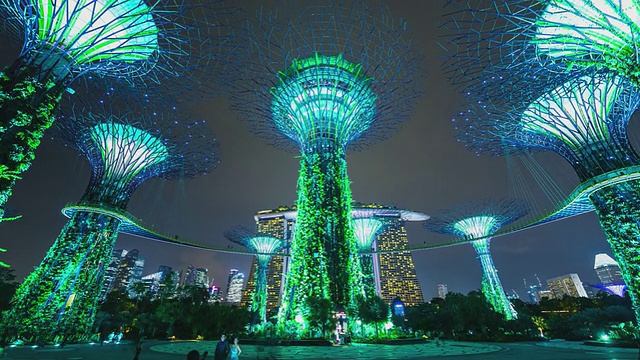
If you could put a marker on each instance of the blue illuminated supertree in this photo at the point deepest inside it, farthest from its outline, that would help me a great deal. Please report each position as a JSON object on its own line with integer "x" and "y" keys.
{"x": 160, "y": 43}
{"x": 124, "y": 146}
{"x": 264, "y": 247}
{"x": 366, "y": 230}
{"x": 326, "y": 78}
{"x": 561, "y": 76}
{"x": 480, "y": 220}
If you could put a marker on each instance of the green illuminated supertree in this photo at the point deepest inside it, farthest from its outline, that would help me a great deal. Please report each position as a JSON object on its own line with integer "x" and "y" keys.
{"x": 264, "y": 247}
{"x": 480, "y": 220}
{"x": 327, "y": 78}
{"x": 159, "y": 43}
{"x": 125, "y": 147}
{"x": 562, "y": 76}
{"x": 366, "y": 230}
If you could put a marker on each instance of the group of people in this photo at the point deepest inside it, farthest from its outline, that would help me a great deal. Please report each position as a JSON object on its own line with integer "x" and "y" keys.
{"x": 223, "y": 349}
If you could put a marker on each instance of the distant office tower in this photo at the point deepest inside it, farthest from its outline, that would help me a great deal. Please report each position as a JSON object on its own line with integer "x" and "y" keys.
{"x": 152, "y": 282}
{"x": 443, "y": 290}
{"x": 232, "y": 273}
{"x": 234, "y": 294}
{"x": 164, "y": 269}
{"x": 111, "y": 272}
{"x": 189, "y": 276}
{"x": 395, "y": 271}
{"x": 569, "y": 284}
{"x": 533, "y": 291}
{"x": 607, "y": 269}
{"x": 129, "y": 270}
{"x": 202, "y": 277}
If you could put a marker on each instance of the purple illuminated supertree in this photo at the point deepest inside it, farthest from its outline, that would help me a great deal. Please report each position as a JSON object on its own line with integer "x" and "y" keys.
{"x": 166, "y": 44}
{"x": 560, "y": 76}
{"x": 264, "y": 247}
{"x": 125, "y": 145}
{"x": 481, "y": 220}
{"x": 325, "y": 78}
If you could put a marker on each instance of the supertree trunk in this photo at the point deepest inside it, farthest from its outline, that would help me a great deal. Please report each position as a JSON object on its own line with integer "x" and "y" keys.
{"x": 259, "y": 302}
{"x": 324, "y": 253}
{"x": 618, "y": 209}
{"x": 368, "y": 278}
{"x": 27, "y": 105}
{"x": 491, "y": 285}
{"x": 59, "y": 297}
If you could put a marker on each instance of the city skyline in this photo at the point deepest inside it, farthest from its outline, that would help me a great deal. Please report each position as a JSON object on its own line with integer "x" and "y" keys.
{"x": 421, "y": 167}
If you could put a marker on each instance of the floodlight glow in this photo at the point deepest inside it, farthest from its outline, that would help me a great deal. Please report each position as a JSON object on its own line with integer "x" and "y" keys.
{"x": 575, "y": 113}
{"x": 127, "y": 150}
{"x": 93, "y": 30}
{"x": 588, "y": 28}
{"x": 323, "y": 100}
{"x": 477, "y": 226}
{"x": 365, "y": 231}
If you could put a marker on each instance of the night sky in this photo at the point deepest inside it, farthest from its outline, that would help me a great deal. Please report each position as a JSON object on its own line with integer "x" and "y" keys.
{"x": 422, "y": 168}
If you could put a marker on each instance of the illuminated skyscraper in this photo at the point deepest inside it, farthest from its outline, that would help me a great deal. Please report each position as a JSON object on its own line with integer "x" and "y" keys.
{"x": 232, "y": 273}
{"x": 111, "y": 272}
{"x": 607, "y": 269}
{"x": 234, "y": 295}
{"x": 569, "y": 284}
{"x": 129, "y": 270}
{"x": 395, "y": 272}
{"x": 443, "y": 290}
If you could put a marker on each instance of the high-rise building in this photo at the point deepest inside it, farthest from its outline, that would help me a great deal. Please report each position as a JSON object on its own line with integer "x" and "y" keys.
{"x": 569, "y": 284}
{"x": 443, "y": 290}
{"x": 232, "y": 273}
{"x": 202, "y": 277}
{"x": 111, "y": 272}
{"x": 395, "y": 272}
{"x": 397, "y": 275}
{"x": 533, "y": 290}
{"x": 607, "y": 269}
{"x": 234, "y": 294}
{"x": 129, "y": 270}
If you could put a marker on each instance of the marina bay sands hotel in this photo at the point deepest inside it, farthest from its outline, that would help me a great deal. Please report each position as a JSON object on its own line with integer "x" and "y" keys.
{"x": 394, "y": 273}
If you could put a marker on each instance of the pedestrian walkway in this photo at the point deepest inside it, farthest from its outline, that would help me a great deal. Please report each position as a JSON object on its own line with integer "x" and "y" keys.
{"x": 579, "y": 345}
{"x": 353, "y": 351}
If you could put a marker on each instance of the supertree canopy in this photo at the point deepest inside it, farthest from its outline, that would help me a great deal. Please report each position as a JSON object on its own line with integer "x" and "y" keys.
{"x": 125, "y": 147}
{"x": 325, "y": 78}
{"x": 561, "y": 76}
{"x": 366, "y": 230}
{"x": 480, "y": 220}
{"x": 163, "y": 43}
{"x": 264, "y": 247}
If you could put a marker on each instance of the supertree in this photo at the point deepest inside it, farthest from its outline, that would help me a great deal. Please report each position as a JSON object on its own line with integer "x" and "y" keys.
{"x": 560, "y": 76}
{"x": 159, "y": 43}
{"x": 264, "y": 247}
{"x": 480, "y": 220}
{"x": 124, "y": 146}
{"x": 326, "y": 78}
{"x": 366, "y": 230}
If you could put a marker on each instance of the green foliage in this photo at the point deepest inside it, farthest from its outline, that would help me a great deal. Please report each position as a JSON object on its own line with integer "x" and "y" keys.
{"x": 26, "y": 111}
{"x": 319, "y": 315}
{"x": 8, "y": 286}
{"x": 373, "y": 310}
{"x": 324, "y": 263}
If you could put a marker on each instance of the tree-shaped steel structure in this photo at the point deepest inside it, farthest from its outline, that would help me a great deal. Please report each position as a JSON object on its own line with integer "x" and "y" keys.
{"x": 480, "y": 220}
{"x": 125, "y": 147}
{"x": 562, "y": 76}
{"x": 366, "y": 230}
{"x": 326, "y": 78}
{"x": 160, "y": 43}
{"x": 264, "y": 247}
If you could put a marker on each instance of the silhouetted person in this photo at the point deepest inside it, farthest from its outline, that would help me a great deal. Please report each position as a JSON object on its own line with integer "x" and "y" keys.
{"x": 222, "y": 349}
